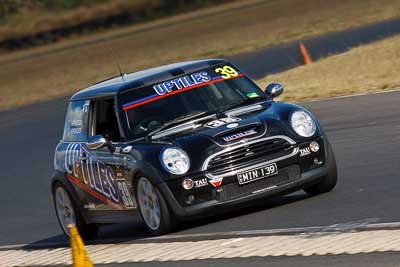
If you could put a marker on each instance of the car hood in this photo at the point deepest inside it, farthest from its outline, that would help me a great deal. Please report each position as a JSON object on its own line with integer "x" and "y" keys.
{"x": 204, "y": 138}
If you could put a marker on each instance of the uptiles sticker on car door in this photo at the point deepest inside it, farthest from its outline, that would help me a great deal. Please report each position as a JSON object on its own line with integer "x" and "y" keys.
{"x": 99, "y": 180}
{"x": 185, "y": 83}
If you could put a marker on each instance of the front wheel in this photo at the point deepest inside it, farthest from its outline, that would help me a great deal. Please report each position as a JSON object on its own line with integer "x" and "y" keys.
{"x": 153, "y": 208}
{"x": 68, "y": 213}
{"x": 328, "y": 182}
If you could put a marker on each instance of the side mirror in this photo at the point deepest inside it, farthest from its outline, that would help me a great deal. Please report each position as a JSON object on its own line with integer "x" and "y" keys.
{"x": 99, "y": 141}
{"x": 274, "y": 90}
{"x": 96, "y": 142}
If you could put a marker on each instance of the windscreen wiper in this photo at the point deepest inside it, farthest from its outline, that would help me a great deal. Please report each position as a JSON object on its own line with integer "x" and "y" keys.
{"x": 177, "y": 120}
{"x": 239, "y": 103}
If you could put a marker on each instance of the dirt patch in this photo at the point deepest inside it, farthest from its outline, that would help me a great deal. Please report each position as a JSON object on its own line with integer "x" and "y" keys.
{"x": 36, "y": 24}
{"x": 369, "y": 68}
{"x": 55, "y": 70}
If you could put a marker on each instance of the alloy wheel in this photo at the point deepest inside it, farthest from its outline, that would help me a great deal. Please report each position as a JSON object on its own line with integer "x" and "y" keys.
{"x": 149, "y": 203}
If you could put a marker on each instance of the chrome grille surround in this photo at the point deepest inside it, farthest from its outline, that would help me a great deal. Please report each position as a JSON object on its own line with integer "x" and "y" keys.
{"x": 244, "y": 144}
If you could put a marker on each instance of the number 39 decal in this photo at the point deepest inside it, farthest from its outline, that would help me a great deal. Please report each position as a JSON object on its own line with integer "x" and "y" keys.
{"x": 125, "y": 195}
{"x": 227, "y": 72}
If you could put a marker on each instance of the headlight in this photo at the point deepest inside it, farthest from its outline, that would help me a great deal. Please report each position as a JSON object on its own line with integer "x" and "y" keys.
{"x": 303, "y": 124}
{"x": 175, "y": 160}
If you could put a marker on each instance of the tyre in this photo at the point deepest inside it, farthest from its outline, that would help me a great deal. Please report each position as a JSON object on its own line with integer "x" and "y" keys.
{"x": 328, "y": 182}
{"x": 68, "y": 213}
{"x": 153, "y": 209}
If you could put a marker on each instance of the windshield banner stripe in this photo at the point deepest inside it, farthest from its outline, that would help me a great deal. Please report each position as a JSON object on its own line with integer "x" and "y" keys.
{"x": 217, "y": 77}
{"x": 141, "y": 100}
{"x": 155, "y": 97}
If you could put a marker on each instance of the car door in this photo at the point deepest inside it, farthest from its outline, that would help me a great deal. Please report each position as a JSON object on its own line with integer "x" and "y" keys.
{"x": 80, "y": 166}
{"x": 108, "y": 170}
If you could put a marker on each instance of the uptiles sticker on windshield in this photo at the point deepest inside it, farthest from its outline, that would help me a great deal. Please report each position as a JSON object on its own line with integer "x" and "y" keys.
{"x": 186, "y": 83}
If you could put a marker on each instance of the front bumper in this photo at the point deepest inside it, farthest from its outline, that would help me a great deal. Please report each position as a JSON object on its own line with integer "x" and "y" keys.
{"x": 296, "y": 172}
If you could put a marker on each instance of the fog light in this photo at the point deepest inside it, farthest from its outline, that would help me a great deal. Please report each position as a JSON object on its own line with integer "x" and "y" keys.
{"x": 187, "y": 184}
{"x": 189, "y": 199}
{"x": 314, "y": 146}
{"x": 317, "y": 161}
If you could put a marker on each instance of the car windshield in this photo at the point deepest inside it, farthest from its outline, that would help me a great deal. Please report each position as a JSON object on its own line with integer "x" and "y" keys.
{"x": 187, "y": 97}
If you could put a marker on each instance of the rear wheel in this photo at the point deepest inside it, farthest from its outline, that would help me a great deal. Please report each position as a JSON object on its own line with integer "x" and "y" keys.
{"x": 153, "y": 208}
{"x": 328, "y": 182}
{"x": 68, "y": 213}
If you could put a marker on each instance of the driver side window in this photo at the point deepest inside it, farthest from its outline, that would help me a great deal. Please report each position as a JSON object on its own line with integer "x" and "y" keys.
{"x": 104, "y": 120}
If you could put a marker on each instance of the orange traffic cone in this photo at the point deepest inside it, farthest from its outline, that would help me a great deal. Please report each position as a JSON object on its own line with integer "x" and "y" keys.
{"x": 304, "y": 54}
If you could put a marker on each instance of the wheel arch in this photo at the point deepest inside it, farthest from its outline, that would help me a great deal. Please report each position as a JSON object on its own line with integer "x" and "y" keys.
{"x": 59, "y": 178}
{"x": 142, "y": 168}
{"x": 156, "y": 178}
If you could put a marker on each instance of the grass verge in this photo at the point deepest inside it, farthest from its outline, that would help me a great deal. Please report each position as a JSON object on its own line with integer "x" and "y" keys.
{"x": 50, "y": 71}
{"x": 36, "y": 22}
{"x": 369, "y": 68}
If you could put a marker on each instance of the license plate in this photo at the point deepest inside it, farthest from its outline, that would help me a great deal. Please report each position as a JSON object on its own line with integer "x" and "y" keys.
{"x": 256, "y": 174}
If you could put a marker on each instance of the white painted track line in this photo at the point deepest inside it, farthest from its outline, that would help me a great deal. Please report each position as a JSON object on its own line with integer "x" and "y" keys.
{"x": 367, "y": 225}
{"x": 350, "y": 238}
{"x": 354, "y": 95}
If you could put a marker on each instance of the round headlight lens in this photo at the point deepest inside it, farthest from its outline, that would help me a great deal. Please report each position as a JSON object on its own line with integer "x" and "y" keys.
{"x": 175, "y": 160}
{"x": 303, "y": 124}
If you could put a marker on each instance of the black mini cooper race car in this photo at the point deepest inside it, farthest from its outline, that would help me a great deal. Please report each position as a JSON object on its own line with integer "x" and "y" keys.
{"x": 181, "y": 140}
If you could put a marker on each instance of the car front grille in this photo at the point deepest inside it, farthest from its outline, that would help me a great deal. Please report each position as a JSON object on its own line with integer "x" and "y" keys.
{"x": 242, "y": 155}
{"x": 234, "y": 190}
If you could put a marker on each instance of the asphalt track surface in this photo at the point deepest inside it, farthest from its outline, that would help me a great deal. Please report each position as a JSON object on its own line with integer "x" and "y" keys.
{"x": 364, "y": 132}
{"x": 286, "y": 56}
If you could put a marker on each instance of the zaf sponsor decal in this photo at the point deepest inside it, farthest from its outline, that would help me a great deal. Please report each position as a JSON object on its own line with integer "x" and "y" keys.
{"x": 90, "y": 206}
{"x": 239, "y": 135}
{"x": 216, "y": 182}
{"x": 100, "y": 179}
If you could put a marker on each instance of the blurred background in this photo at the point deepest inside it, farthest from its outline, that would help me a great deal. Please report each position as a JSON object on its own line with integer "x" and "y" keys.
{"x": 61, "y": 46}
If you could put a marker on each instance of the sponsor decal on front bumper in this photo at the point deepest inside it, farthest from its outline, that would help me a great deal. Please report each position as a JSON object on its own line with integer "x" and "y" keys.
{"x": 204, "y": 181}
{"x": 216, "y": 182}
{"x": 200, "y": 183}
{"x": 305, "y": 151}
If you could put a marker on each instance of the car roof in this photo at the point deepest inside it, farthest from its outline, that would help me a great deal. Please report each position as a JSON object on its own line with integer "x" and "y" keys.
{"x": 136, "y": 80}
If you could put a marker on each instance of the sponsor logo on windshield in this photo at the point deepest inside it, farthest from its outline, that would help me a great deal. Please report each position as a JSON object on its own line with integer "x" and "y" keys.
{"x": 182, "y": 82}
{"x": 185, "y": 83}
